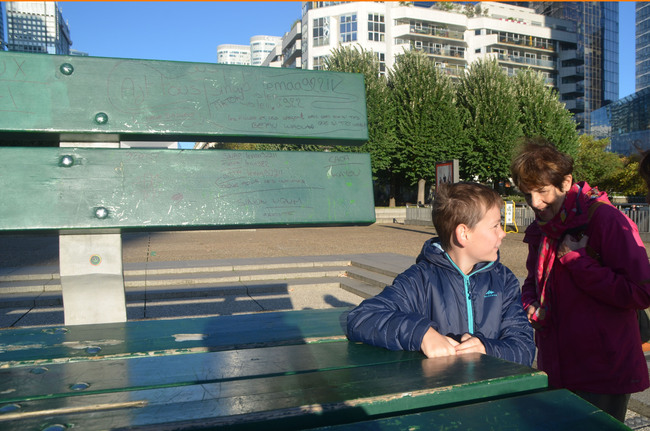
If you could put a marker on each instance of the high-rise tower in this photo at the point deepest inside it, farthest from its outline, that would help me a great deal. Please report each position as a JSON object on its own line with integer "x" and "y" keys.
{"x": 642, "y": 45}
{"x": 597, "y": 49}
{"x": 37, "y": 27}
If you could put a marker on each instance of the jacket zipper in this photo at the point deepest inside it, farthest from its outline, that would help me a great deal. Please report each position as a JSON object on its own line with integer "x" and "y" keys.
{"x": 468, "y": 299}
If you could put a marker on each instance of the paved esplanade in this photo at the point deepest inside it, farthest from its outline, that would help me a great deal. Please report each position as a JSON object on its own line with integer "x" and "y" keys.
{"x": 30, "y": 250}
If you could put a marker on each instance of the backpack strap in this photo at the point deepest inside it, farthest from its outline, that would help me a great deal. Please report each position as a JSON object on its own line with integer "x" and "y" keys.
{"x": 592, "y": 209}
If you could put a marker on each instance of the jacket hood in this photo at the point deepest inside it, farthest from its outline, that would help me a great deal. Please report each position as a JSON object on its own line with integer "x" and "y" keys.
{"x": 432, "y": 252}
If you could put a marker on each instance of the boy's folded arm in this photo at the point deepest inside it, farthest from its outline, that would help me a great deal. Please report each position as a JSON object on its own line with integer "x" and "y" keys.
{"x": 390, "y": 319}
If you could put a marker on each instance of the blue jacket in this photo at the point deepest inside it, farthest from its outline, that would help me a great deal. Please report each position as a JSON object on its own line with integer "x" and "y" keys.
{"x": 435, "y": 293}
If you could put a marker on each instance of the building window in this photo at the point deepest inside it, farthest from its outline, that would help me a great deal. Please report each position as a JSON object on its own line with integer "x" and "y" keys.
{"x": 381, "y": 57}
{"x": 319, "y": 62}
{"x": 321, "y": 31}
{"x": 376, "y": 27}
{"x": 348, "y": 28}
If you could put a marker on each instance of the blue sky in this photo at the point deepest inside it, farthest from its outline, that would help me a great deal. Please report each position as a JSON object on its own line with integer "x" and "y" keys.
{"x": 191, "y": 31}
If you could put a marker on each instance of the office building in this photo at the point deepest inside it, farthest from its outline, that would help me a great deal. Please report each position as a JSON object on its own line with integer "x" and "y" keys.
{"x": 2, "y": 27}
{"x": 253, "y": 54}
{"x": 37, "y": 27}
{"x": 234, "y": 54}
{"x": 597, "y": 49}
{"x": 625, "y": 122}
{"x": 261, "y": 46}
{"x": 642, "y": 45}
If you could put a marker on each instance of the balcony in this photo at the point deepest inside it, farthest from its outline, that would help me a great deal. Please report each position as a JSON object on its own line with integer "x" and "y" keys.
{"x": 547, "y": 64}
{"x": 577, "y": 71}
{"x": 436, "y": 32}
{"x": 528, "y": 42}
{"x": 577, "y": 104}
{"x": 575, "y": 87}
{"x": 452, "y": 70}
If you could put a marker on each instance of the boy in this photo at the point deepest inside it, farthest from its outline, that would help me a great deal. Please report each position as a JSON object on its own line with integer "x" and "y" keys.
{"x": 457, "y": 298}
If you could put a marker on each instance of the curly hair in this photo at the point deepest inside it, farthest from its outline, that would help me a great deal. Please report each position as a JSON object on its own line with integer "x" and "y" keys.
{"x": 538, "y": 163}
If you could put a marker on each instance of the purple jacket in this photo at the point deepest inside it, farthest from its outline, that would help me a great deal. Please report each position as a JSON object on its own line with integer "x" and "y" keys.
{"x": 593, "y": 343}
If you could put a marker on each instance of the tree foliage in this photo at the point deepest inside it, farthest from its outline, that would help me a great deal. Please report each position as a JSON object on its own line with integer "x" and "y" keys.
{"x": 381, "y": 144}
{"x": 428, "y": 128}
{"x": 490, "y": 113}
{"x": 542, "y": 114}
{"x": 595, "y": 165}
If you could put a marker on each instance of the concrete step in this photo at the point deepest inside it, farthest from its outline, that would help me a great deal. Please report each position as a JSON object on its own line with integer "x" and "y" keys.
{"x": 159, "y": 284}
{"x": 369, "y": 277}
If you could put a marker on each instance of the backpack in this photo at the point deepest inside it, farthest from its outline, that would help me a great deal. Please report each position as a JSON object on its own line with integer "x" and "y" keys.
{"x": 643, "y": 315}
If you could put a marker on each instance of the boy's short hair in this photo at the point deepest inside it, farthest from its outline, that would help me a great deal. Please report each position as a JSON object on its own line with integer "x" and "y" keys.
{"x": 538, "y": 163}
{"x": 461, "y": 203}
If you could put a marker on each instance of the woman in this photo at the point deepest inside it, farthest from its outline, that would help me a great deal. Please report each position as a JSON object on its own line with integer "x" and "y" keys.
{"x": 587, "y": 268}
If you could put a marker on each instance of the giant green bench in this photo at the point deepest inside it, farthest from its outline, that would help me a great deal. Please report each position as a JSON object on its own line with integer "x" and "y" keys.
{"x": 288, "y": 370}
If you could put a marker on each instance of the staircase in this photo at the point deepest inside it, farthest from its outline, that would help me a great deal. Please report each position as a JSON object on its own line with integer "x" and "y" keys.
{"x": 32, "y": 296}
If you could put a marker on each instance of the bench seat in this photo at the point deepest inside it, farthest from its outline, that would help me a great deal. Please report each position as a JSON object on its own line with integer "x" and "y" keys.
{"x": 156, "y": 338}
{"x": 291, "y": 386}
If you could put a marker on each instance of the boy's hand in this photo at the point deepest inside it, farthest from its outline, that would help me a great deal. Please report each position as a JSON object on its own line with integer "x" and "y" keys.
{"x": 469, "y": 344}
{"x": 435, "y": 345}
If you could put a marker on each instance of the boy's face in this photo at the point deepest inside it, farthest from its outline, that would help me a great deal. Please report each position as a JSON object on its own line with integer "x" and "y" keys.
{"x": 485, "y": 238}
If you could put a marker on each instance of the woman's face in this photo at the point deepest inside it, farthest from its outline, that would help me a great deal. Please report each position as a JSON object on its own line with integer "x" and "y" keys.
{"x": 546, "y": 201}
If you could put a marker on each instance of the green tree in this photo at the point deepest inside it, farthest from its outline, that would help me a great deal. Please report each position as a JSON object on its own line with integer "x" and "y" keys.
{"x": 380, "y": 111}
{"x": 627, "y": 180}
{"x": 542, "y": 113}
{"x": 487, "y": 103}
{"x": 428, "y": 127}
{"x": 595, "y": 165}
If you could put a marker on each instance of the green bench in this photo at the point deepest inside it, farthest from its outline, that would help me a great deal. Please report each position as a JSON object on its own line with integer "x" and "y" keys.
{"x": 292, "y": 369}
{"x": 90, "y": 193}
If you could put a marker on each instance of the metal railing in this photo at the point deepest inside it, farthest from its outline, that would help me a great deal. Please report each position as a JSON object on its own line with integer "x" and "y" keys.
{"x": 524, "y": 216}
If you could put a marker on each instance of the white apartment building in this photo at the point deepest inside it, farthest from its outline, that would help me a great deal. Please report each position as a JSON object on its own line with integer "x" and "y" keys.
{"x": 261, "y": 46}
{"x": 451, "y": 36}
{"x": 253, "y": 54}
{"x": 234, "y": 54}
{"x": 287, "y": 53}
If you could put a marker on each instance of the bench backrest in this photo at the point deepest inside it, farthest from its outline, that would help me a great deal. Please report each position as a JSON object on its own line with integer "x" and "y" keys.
{"x": 76, "y": 100}
{"x": 81, "y": 105}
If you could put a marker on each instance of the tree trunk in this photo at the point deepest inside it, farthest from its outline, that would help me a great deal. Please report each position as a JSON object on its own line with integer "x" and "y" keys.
{"x": 421, "y": 186}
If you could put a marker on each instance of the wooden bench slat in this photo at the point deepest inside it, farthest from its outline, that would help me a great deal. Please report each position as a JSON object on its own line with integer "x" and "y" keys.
{"x": 67, "y": 97}
{"x": 39, "y": 346}
{"x": 104, "y": 189}
{"x": 296, "y": 400}
{"x": 554, "y": 410}
{"x": 55, "y": 380}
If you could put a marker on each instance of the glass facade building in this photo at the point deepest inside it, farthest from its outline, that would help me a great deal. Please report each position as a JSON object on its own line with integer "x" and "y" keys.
{"x": 642, "y": 45}
{"x": 2, "y": 27}
{"x": 625, "y": 122}
{"x": 597, "y": 49}
{"x": 37, "y": 27}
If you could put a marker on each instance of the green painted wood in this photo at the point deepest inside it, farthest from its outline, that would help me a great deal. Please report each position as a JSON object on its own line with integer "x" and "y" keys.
{"x": 66, "y": 97}
{"x": 28, "y": 347}
{"x": 55, "y": 380}
{"x": 180, "y": 189}
{"x": 558, "y": 410}
{"x": 290, "y": 400}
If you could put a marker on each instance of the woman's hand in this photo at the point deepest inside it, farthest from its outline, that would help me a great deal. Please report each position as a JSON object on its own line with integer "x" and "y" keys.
{"x": 570, "y": 243}
{"x": 530, "y": 311}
